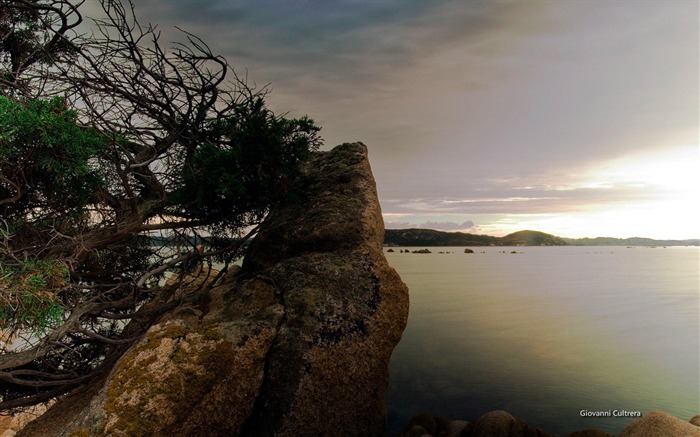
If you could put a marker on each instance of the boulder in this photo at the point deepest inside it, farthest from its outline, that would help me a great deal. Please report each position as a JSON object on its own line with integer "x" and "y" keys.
{"x": 297, "y": 343}
{"x": 345, "y": 308}
{"x": 467, "y": 250}
{"x": 423, "y": 421}
{"x": 695, "y": 420}
{"x": 502, "y": 424}
{"x": 660, "y": 424}
{"x": 426, "y": 424}
{"x": 458, "y": 428}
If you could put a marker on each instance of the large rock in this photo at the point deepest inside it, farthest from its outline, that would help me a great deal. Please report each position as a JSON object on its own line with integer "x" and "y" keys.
{"x": 11, "y": 424}
{"x": 660, "y": 424}
{"x": 298, "y": 343}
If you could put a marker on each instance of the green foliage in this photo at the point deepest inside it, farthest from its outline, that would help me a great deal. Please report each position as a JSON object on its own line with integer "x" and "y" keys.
{"x": 249, "y": 167}
{"x": 26, "y": 39}
{"x": 29, "y": 295}
{"x": 46, "y": 157}
{"x": 168, "y": 143}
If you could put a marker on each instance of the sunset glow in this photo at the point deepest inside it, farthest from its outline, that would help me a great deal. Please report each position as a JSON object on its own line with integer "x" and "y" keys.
{"x": 571, "y": 118}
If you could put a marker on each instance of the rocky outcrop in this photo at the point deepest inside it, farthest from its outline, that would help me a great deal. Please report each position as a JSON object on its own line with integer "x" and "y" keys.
{"x": 297, "y": 343}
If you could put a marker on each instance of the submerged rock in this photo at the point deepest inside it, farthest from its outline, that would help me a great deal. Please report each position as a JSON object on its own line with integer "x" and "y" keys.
{"x": 297, "y": 343}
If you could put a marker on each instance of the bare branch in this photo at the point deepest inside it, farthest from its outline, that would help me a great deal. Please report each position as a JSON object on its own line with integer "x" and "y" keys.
{"x": 184, "y": 163}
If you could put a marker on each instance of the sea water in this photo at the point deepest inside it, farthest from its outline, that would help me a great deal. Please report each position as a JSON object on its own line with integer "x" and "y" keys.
{"x": 555, "y": 335}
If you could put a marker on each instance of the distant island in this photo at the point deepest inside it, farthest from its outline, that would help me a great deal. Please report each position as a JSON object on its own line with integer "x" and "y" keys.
{"x": 430, "y": 237}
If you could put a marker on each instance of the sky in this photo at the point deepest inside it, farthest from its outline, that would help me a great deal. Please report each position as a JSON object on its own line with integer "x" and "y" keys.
{"x": 576, "y": 118}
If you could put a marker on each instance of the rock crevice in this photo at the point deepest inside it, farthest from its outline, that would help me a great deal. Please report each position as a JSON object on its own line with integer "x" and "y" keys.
{"x": 297, "y": 343}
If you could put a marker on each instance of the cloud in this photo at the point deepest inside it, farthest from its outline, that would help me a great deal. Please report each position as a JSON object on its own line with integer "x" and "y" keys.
{"x": 448, "y": 226}
{"x": 353, "y": 65}
{"x": 532, "y": 196}
{"x": 441, "y": 226}
{"x": 472, "y": 108}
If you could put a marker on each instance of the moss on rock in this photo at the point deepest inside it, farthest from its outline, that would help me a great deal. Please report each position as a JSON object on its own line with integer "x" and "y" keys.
{"x": 156, "y": 381}
{"x": 298, "y": 343}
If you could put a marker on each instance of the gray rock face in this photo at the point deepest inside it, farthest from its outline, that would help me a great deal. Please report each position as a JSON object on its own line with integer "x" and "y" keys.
{"x": 297, "y": 343}
{"x": 345, "y": 308}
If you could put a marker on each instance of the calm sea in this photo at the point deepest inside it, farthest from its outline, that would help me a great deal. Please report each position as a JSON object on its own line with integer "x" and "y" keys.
{"x": 547, "y": 332}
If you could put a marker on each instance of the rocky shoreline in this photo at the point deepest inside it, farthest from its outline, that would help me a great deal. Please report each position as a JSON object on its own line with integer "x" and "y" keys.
{"x": 503, "y": 424}
{"x": 294, "y": 343}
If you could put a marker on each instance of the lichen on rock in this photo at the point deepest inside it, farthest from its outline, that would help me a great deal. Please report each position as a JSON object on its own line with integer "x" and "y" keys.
{"x": 296, "y": 343}
{"x": 157, "y": 382}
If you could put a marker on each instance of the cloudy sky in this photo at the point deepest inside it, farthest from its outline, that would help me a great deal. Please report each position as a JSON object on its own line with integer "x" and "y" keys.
{"x": 576, "y": 118}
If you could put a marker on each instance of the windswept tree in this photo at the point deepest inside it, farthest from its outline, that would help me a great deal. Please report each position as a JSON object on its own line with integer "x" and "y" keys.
{"x": 121, "y": 161}
{"x": 34, "y": 35}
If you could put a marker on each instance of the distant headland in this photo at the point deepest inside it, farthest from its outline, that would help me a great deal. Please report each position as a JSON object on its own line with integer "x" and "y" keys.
{"x": 431, "y": 237}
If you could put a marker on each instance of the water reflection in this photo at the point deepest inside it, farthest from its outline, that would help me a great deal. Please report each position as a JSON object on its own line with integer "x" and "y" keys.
{"x": 548, "y": 332}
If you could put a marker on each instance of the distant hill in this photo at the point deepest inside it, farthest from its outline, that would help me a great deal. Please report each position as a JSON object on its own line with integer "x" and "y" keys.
{"x": 636, "y": 241}
{"x": 531, "y": 238}
{"x": 430, "y": 237}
